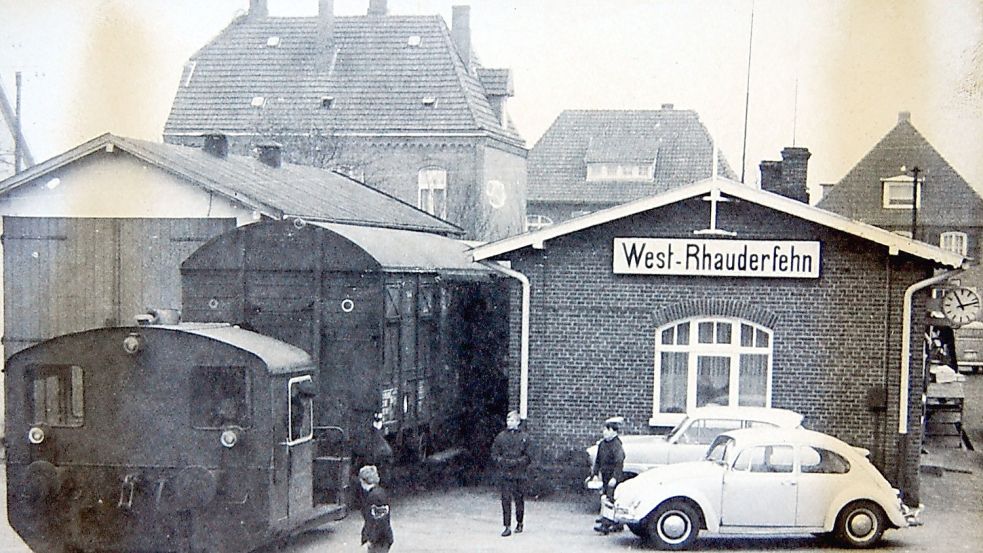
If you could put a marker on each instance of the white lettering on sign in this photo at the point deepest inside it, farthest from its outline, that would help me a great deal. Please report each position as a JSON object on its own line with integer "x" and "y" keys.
{"x": 744, "y": 258}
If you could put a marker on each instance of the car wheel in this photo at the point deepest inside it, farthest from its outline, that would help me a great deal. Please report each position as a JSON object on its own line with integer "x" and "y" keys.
{"x": 674, "y": 525}
{"x": 860, "y": 524}
{"x": 639, "y": 529}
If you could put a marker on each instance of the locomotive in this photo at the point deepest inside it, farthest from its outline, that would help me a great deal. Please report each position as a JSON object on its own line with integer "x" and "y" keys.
{"x": 223, "y": 434}
{"x": 185, "y": 438}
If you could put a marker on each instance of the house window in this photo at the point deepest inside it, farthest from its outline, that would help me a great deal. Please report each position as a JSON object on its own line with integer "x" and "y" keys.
{"x": 956, "y": 242}
{"x": 898, "y": 192}
{"x": 536, "y": 222}
{"x": 58, "y": 398}
{"x": 710, "y": 360}
{"x": 619, "y": 171}
{"x": 432, "y": 196}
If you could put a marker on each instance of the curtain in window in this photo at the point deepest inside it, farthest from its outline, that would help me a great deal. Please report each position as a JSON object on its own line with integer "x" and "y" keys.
{"x": 753, "y": 380}
{"x": 672, "y": 389}
{"x": 712, "y": 380}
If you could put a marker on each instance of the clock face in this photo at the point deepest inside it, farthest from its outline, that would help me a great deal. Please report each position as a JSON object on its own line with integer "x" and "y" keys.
{"x": 961, "y": 305}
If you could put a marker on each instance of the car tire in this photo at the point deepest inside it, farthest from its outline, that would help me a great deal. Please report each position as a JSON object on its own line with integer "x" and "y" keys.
{"x": 639, "y": 529}
{"x": 860, "y": 524}
{"x": 674, "y": 525}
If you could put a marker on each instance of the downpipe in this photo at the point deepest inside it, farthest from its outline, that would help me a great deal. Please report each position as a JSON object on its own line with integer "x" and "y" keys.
{"x": 524, "y": 332}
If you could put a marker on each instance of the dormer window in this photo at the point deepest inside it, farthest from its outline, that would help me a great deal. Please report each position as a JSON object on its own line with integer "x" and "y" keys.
{"x": 327, "y": 102}
{"x": 429, "y": 101}
{"x": 620, "y": 171}
{"x": 536, "y": 222}
{"x": 955, "y": 242}
{"x": 413, "y": 40}
{"x": 258, "y": 101}
{"x": 898, "y": 193}
{"x": 273, "y": 41}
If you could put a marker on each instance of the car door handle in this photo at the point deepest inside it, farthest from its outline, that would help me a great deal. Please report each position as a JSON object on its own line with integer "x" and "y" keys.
{"x": 789, "y": 483}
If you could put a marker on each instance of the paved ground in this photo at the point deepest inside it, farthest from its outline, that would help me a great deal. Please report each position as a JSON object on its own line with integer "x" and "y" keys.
{"x": 467, "y": 519}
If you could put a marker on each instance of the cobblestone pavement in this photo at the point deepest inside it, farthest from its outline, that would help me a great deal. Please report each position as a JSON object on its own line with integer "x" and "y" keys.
{"x": 468, "y": 519}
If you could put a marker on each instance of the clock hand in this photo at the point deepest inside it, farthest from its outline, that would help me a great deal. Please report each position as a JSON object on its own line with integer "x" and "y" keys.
{"x": 956, "y": 297}
{"x": 974, "y": 302}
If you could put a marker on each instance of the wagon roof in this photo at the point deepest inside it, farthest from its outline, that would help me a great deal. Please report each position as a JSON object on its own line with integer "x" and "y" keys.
{"x": 279, "y": 357}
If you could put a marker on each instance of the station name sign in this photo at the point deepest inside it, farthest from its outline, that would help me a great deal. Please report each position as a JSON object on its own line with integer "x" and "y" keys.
{"x": 741, "y": 258}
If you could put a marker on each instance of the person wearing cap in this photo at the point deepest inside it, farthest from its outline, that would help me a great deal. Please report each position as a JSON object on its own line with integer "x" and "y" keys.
{"x": 371, "y": 448}
{"x": 609, "y": 463}
{"x": 510, "y": 453}
{"x": 376, "y": 531}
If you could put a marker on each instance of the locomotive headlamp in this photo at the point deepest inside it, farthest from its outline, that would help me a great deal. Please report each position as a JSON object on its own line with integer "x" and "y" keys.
{"x": 229, "y": 437}
{"x": 35, "y": 435}
{"x": 133, "y": 343}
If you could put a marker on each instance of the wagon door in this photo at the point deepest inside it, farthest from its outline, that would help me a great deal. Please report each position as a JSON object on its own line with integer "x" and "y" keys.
{"x": 293, "y": 458}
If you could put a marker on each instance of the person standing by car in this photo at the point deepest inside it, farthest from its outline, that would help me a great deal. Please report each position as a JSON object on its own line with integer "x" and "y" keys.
{"x": 510, "y": 453}
{"x": 609, "y": 463}
{"x": 376, "y": 531}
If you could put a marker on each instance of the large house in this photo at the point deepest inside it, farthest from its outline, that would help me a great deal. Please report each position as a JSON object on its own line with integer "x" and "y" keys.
{"x": 879, "y": 190}
{"x": 399, "y": 102}
{"x": 593, "y": 159}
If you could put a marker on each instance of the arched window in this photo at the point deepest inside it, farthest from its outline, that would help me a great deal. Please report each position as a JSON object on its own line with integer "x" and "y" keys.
{"x": 710, "y": 360}
{"x": 432, "y": 187}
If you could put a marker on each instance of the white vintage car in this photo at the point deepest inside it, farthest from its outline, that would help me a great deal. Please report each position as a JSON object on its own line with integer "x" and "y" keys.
{"x": 763, "y": 481}
{"x": 689, "y": 440}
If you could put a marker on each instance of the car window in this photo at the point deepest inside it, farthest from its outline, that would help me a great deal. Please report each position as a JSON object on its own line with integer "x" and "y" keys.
{"x": 704, "y": 431}
{"x": 718, "y": 451}
{"x": 766, "y": 458}
{"x": 760, "y": 424}
{"x": 815, "y": 460}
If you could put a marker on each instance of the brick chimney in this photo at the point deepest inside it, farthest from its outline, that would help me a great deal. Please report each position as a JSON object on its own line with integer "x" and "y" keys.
{"x": 325, "y": 30}
{"x": 904, "y": 117}
{"x": 257, "y": 8}
{"x": 788, "y": 176}
{"x": 216, "y": 144}
{"x": 270, "y": 153}
{"x": 378, "y": 7}
{"x": 461, "y": 32}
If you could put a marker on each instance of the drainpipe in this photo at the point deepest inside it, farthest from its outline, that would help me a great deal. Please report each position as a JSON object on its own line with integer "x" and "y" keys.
{"x": 524, "y": 333}
{"x": 906, "y": 343}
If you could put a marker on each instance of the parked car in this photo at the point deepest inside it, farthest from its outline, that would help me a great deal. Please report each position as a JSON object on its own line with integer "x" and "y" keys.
{"x": 969, "y": 346}
{"x": 762, "y": 481}
{"x": 689, "y": 440}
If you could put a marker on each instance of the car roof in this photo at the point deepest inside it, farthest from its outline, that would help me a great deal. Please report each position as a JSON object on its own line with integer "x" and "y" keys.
{"x": 792, "y": 436}
{"x": 783, "y": 418}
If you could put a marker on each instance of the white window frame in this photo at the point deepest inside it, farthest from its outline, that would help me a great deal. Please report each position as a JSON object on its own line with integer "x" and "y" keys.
{"x": 536, "y": 222}
{"x": 695, "y": 350}
{"x": 429, "y": 187}
{"x": 890, "y": 197}
{"x": 961, "y": 239}
{"x": 608, "y": 171}
{"x": 290, "y": 418}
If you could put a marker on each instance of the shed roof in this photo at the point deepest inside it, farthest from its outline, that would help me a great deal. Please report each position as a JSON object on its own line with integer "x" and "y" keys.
{"x": 894, "y": 242}
{"x": 674, "y": 139}
{"x": 288, "y": 190}
{"x": 377, "y": 73}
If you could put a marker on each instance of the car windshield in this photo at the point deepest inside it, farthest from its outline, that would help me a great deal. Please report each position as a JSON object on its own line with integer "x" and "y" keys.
{"x": 678, "y": 428}
{"x": 718, "y": 449}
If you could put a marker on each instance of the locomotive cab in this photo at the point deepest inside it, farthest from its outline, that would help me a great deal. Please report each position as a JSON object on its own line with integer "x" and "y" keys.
{"x": 188, "y": 437}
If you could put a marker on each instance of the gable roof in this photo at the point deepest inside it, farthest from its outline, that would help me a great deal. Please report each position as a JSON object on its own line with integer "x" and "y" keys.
{"x": 377, "y": 79}
{"x": 894, "y": 242}
{"x": 675, "y": 139}
{"x": 947, "y": 199}
{"x": 288, "y": 190}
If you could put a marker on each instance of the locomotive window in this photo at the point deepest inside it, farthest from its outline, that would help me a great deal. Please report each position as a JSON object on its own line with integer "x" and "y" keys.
{"x": 58, "y": 395}
{"x": 301, "y": 409}
{"x": 219, "y": 397}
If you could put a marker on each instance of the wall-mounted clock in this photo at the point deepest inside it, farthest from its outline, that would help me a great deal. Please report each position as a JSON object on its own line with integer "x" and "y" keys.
{"x": 961, "y": 305}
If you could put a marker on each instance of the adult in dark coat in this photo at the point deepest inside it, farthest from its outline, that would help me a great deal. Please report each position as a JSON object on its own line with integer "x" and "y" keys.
{"x": 372, "y": 448}
{"x": 510, "y": 453}
{"x": 376, "y": 531}
{"x": 609, "y": 464}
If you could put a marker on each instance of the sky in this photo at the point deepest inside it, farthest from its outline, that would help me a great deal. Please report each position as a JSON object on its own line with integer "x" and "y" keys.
{"x": 827, "y": 75}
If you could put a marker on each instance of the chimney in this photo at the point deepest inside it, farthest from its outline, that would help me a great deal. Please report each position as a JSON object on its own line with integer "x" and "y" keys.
{"x": 378, "y": 7}
{"x": 904, "y": 117}
{"x": 216, "y": 144}
{"x": 270, "y": 153}
{"x": 461, "y": 32}
{"x": 325, "y": 30}
{"x": 788, "y": 176}
{"x": 257, "y": 8}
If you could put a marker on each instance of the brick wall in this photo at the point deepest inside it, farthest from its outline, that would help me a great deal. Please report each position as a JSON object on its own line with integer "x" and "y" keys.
{"x": 592, "y": 342}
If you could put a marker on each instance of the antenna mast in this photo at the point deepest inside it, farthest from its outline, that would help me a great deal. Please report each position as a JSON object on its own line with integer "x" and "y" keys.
{"x": 747, "y": 93}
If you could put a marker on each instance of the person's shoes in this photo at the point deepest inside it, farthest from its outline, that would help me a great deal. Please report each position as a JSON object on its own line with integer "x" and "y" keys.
{"x": 602, "y": 528}
{"x": 506, "y": 532}
{"x": 616, "y": 528}
{"x": 599, "y": 519}
{"x": 518, "y": 528}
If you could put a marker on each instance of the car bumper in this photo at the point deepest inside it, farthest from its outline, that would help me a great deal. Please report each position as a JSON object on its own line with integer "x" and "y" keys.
{"x": 613, "y": 512}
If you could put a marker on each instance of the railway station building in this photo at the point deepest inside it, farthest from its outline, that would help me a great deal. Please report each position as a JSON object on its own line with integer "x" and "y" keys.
{"x": 718, "y": 292}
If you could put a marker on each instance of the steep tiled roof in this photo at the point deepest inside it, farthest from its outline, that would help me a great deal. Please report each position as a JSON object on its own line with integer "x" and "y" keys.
{"x": 377, "y": 76}
{"x": 947, "y": 199}
{"x": 676, "y": 139}
{"x": 293, "y": 190}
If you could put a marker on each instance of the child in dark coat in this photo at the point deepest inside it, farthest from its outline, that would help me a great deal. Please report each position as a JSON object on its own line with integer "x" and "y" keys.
{"x": 609, "y": 464}
{"x": 377, "y": 531}
{"x": 510, "y": 452}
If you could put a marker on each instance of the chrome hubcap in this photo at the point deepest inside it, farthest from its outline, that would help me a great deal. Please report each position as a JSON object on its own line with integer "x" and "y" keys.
{"x": 861, "y": 524}
{"x": 674, "y": 526}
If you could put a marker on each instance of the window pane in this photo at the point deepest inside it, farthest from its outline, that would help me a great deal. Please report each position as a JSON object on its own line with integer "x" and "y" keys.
{"x": 766, "y": 459}
{"x": 57, "y": 395}
{"x": 723, "y": 333}
{"x": 219, "y": 397}
{"x": 703, "y": 432}
{"x": 668, "y": 335}
{"x": 301, "y": 410}
{"x": 713, "y": 381}
{"x": 705, "y": 333}
{"x": 672, "y": 382}
{"x": 822, "y": 461}
{"x": 761, "y": 339}
{"x": 753, "y": 380}
{"x": 682, "y": 334}
{"x": 747, "y": 336}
